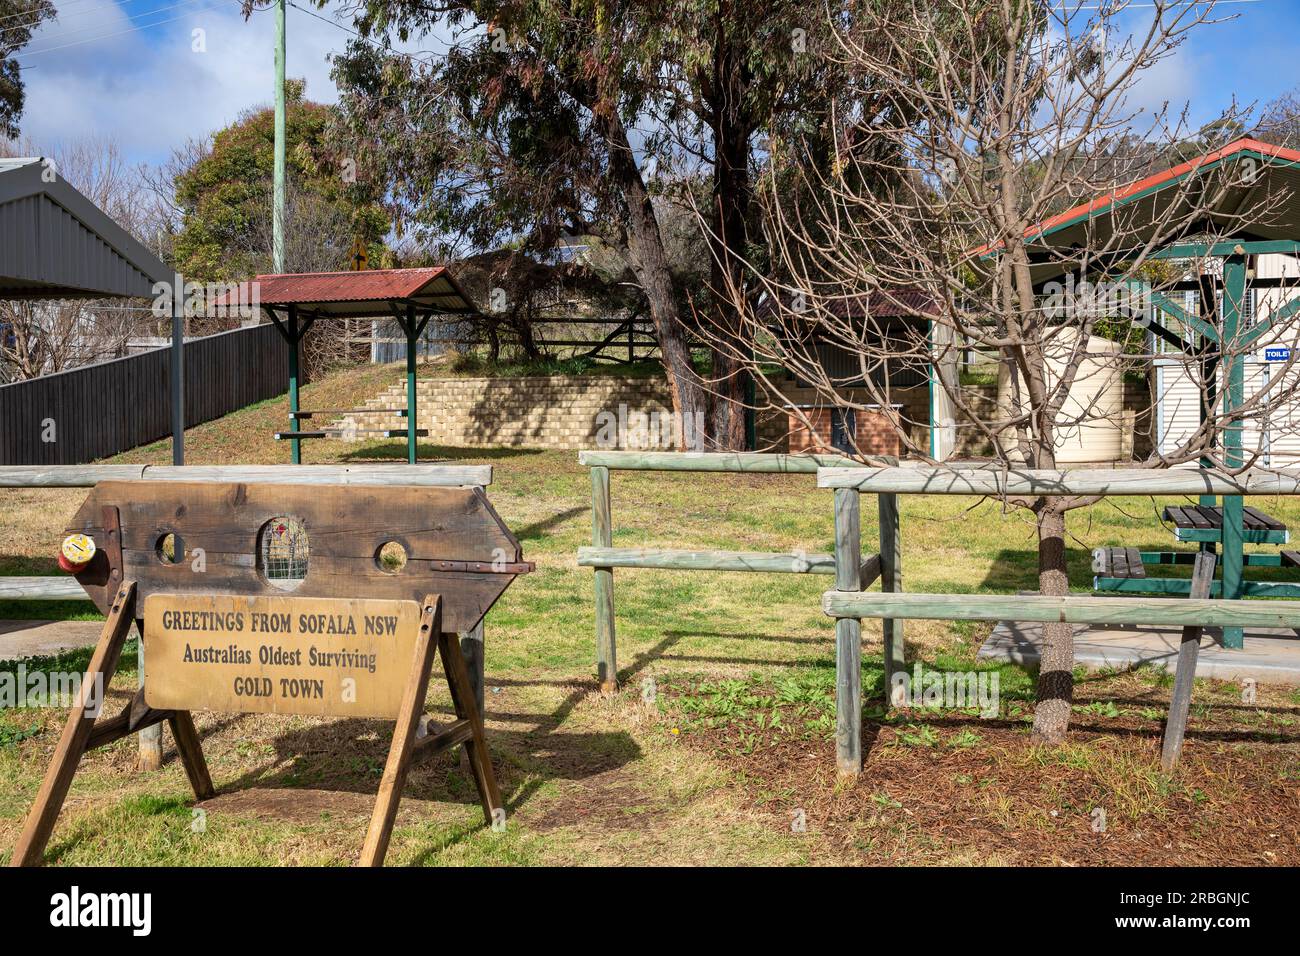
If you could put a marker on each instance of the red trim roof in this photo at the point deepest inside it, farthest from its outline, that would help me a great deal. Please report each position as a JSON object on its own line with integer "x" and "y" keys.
{"x": 1245, "y": 144}
{"x": 373, "y": 285}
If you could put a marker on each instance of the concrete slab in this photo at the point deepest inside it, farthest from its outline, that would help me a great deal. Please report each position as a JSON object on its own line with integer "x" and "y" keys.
{"x": 19, "y": 639}
{"x": 1271, "y": 655}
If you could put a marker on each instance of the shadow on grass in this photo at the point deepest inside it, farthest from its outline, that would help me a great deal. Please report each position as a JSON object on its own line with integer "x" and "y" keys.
{"x": 394, "y": 449}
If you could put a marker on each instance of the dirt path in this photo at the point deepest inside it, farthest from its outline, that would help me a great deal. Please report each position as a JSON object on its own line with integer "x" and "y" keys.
{"x": 20, "y": 639}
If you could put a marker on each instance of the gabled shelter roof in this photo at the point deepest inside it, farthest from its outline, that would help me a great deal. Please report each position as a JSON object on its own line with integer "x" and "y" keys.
{"x": 57, "y": 244}
{"x": 1250, "y": 190}
{"x": 364, "y": 294}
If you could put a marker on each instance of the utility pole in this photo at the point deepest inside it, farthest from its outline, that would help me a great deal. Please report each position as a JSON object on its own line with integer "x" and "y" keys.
{"x": 277, "y": 202}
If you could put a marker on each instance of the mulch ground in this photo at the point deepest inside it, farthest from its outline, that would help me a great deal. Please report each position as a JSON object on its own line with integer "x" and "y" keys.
{"x": 941, "y": 795}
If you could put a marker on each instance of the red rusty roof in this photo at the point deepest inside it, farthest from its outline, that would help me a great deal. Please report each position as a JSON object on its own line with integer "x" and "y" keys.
{"x": 366, "y": 292}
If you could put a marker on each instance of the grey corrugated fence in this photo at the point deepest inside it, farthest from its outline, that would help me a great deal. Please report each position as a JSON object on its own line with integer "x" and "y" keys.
{"x": 99, "y": 410}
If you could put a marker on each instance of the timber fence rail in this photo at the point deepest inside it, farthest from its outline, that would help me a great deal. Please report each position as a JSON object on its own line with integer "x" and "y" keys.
{"x": 847, "y": 603}
{"x": 852, "y": 571}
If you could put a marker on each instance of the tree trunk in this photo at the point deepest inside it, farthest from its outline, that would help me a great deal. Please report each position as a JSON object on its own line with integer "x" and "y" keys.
{"x": 650, "y": 264}
{"x": 731, "y": 200}
{"x": 1056, "y": 667}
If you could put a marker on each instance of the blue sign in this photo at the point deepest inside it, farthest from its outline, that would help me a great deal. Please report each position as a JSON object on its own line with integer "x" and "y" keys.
{"x": 1277, "y": 355}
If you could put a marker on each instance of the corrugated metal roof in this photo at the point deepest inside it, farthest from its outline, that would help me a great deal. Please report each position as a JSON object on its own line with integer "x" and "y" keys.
{"x": 1237, "y": 150}
{"x": 1262, "y": 205}
{"x": 367, "y": 293}
{"x": 56, "y": 243}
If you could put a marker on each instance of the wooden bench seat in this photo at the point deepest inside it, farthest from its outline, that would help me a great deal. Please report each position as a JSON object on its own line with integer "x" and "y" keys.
{"x": 1118, "y": 563}
{"x": 337, "y": 412}
{"x": 345, "y": 432}
{"x": 1205, "y": 523}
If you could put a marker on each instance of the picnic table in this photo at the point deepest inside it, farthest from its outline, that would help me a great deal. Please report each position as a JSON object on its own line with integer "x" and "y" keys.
{"x": 1205, "y": 523}
{"x": 1125, "y": 570}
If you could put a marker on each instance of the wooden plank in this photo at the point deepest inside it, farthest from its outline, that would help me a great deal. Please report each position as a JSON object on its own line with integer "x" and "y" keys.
{"x": 748, "y": 462}
{"x": 1184, "y": 677}
{"x": 404, "y": 734}
{"x": 1291, "y": 559}
{"x": 1081, "y": 481}
{"x": 848, "y": 636}
{"x": 602, "y": 534}
{"x": 86, "y": 476}
{"x": 76, "y": 731}
{"x": 1133, "y": 561}
{"x": 278, "y": 655}
{"x": 891, "y": 580}
{"x": 399, "y": 412}
{"x": 1073, "y": 609}
{"x": 1262, "y": 520}
{"x": 121, "y": 725}
{"x": 190, "y": 751}
{"x": 442, "y": 531}
{"x": 759, "y": 561}
{"x": 480, "y": 761}
{"x": 471, "y": 648}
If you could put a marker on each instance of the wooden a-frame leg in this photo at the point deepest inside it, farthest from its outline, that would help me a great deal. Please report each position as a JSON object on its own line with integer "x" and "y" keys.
{"x": 190, "y": 750}
{"x": 1189, "y": 649}
{"x": 404, "y": 734}
{"x": 462, "y": 698}
{"x": 76, "y": 732}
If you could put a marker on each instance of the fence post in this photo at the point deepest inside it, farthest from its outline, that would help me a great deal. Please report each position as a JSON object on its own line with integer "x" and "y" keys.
{"x": 891, "y": 579}
{"x": 602, "y": 536}
{"x": 848, "y": 635}
{"x": 471, "y": 648}
{"x": 150, "y": 744}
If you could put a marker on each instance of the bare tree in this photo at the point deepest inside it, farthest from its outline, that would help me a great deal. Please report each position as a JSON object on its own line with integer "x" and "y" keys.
{"x": 41, "y": 336}
{"x": 970, "y": 126}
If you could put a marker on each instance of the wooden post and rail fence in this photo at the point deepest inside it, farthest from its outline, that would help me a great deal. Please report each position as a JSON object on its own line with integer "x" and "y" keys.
{"x": 64, "y": 587}
{"x": 849, "y": 602}
{"x": 852, "y": 571}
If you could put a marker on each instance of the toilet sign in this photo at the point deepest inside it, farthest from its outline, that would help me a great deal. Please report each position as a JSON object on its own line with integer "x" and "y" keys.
{"x": 1277, "y": 355}
{"x": 278, "y": 655}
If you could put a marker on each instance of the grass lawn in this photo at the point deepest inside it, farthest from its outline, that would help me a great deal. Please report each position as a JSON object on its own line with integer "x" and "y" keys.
{"x": 719, "y": 748}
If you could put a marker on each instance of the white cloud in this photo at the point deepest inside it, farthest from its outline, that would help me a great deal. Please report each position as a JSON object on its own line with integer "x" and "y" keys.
{"x": 98, "y": 72}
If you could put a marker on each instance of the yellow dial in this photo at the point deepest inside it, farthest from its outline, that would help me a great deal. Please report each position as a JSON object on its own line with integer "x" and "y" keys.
{"x": 78, "y": 548}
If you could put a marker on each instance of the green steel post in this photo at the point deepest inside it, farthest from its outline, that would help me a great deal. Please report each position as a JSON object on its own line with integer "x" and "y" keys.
{"x": 411, "y": 417}
{"x": 1234, "y": 298}
{"x": 277, "y": 204}
{"x": 296, "y": 445}
{"x": 178, "y": 369}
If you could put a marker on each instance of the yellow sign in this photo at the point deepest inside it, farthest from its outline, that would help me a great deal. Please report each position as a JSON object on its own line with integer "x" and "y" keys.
{"x": 359, "y": 257}
{"x": 278, "y": 655}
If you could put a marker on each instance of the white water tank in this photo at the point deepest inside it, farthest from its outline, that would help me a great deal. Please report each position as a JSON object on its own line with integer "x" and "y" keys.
{"x": 1090, "y": 425}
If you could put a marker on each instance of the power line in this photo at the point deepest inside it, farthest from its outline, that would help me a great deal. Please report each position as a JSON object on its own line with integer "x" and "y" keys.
{"x": 102, "y": 24}
{"x": 133, "y": 29}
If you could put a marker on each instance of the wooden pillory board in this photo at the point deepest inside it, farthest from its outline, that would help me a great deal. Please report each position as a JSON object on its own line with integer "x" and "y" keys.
{"x": 353, "y": 638}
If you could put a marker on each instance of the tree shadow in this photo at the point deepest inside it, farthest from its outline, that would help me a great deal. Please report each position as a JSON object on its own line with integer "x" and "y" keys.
{"x": 394, "y": 449}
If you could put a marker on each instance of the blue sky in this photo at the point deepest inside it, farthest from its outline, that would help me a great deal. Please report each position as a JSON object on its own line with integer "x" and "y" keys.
{"x": 135, "y": 71}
